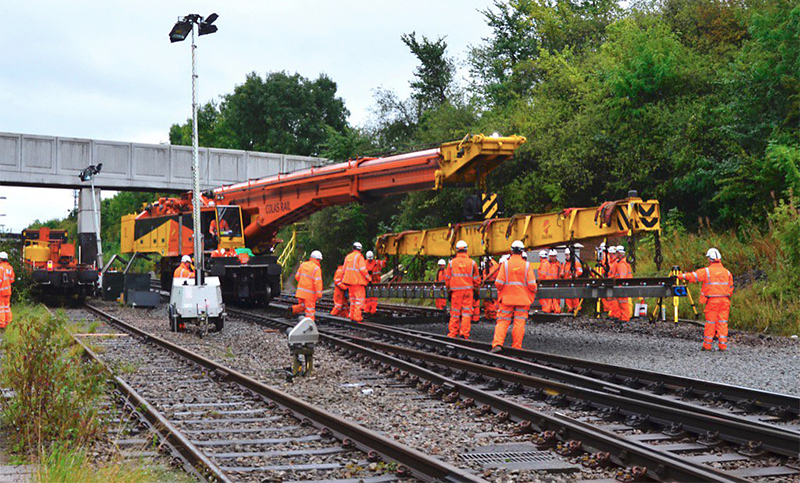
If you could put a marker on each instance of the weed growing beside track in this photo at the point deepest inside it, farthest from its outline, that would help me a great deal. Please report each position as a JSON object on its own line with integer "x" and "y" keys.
{"x": 55, "y": 394}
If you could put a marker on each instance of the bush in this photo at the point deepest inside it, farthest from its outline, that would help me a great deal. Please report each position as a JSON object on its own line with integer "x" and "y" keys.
{"x": 55, "y": 393}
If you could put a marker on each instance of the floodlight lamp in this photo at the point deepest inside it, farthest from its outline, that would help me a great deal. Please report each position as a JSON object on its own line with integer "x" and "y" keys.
{"x": 180, "y": 30}
{"x": 206, "y": 29}
{"x": 211, "y": 18}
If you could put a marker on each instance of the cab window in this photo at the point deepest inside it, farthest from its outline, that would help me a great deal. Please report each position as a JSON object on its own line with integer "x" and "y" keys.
{"x": 230, "y": 221}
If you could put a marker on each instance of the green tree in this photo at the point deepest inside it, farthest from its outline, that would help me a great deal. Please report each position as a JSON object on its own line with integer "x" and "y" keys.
{"x": 278, "y": 113}
{"x": 434, "y": 74}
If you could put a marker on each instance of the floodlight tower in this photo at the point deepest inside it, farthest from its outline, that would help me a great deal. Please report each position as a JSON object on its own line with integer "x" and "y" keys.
{"x": 179, "y": 33}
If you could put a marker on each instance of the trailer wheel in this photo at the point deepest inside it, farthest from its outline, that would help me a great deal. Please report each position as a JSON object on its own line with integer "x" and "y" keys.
{"x": 173, "y": 319}
{"x": 219, "y": 323}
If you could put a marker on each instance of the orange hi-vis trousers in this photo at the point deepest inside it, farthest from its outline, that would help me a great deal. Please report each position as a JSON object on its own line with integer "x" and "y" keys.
{"x": 5, "y": 310}
{"x": 357, "y": 295}
{"x": 339, "y": 301}
{"x": 573, "y": 304}
{"x": 717, "y": 311}
{"x": 371, "y": 305}
{"x": 460, "y": 313}
{"x": 441, "y": 304}
{"x": 306, "y": 307}
{"x": 490, "y": 309}
{"x": 505, "y": 315}
{"x": 624, "y": 309}
{"x": 551, "y": 306}
{"x": 476, "y": 310}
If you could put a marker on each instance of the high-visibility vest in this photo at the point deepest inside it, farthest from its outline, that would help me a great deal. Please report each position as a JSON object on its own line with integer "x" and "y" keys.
{"x": 717, "y": 280}
{"x": 516, "y": 283}
{"x": 374, "y": 268}
{"x": 551, "y": 271}
{"x": 621, "y": 269}
{"x": 441, "y": 275}
{"x": 182, "y": 272}
{"x": 355, "y": 269}
{"x": 491, "y": 276}
{"x": 309, "y": 280}
{"x": 337, "y": 278}
{"x": 6, "y": 278}
{"x": 462, "y": 273}
{"x": 568, "y": 269}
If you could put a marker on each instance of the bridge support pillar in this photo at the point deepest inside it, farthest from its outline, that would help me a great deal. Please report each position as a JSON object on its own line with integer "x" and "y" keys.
{"x": 87, "y": 234}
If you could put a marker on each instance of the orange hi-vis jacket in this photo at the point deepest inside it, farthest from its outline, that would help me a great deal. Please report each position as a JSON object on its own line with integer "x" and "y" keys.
{"x": 621, "y": 269}
{"x": 7, "y": 277}
{"x": 183, "y": 271}
{"x": 552, "y": 270}
{"x": 491, "y": 276}
{"x": 355, "y": 269}
{"x": 568, "y": 269}
{"x": 717, "y": 281}
{"x": 374, "y": 268}
{"x": 462, "y": 273}
{"x": 309, "y": 280}
{"x": 441, "y": 275}
{"x": 516, "y": 283}
{"x": 338, "y": 278}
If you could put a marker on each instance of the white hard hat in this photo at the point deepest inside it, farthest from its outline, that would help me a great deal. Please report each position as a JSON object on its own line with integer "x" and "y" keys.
{"x": 543, "y": 254}
{"x": 612, "y": 249}
{"x": 620, "y": 249}
{"x": 3, "y": 256}
{"x": 461, "y": 245}
{"x": 552, "y": 253}
{"x": 504, "y": 258}
{"x": 186, "y": 259}
{"x": 517, "y": 245}
{"x": 566, "y": 251}
{"x": 316, "y": 254}
{"x": 712, "y": 253}
{"x": 525, "y": 255}
{"x": 357, "y": 245}
{"x": 602, "y": 245}
{"x": 442, "y": 262}
{"x": 370, "y": 255}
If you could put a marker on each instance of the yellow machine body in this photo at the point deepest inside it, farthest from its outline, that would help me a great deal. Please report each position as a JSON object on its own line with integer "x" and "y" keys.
{"x": 494, "y": 237}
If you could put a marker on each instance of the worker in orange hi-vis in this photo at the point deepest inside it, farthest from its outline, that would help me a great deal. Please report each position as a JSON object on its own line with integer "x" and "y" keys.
{"x": 339, "y": 292}
{"x": 568, "y": 273}
{"x": 552, "y": 271}
{"x": 541, "y": 271}
{"x": 622, "y": 269}
{"x": 461, "y": 279}
{"x": 516, "y": 290}
{"x": 715, "y": 293}
{"x": 185, "y": 269}
{"x": 309, "y": 286}
{"x": 489, "y": 305}
{"x": 610, "y": 304}
{"x": 374, "y": 268}
{"x": 218, "y": 253}
{"x": 356, "y": 277}
{"x": 7, "y": 277}
{"x": 441, "y": 304}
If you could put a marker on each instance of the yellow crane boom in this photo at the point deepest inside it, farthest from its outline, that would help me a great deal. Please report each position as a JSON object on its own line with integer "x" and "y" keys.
{"x": 493, "y": 237}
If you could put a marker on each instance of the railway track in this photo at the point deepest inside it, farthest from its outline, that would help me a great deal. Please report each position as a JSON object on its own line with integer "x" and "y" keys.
{"x": 234, "y": 428}
{"x": 669, "y": 433}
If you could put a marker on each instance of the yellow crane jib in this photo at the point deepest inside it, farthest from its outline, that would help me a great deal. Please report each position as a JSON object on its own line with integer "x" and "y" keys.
{"x": 472, "y": 158}
{"x": 493, "y": 237}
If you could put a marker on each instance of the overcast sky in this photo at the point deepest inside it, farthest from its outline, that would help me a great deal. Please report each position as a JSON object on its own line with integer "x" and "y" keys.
{"x": 106, "y": 69}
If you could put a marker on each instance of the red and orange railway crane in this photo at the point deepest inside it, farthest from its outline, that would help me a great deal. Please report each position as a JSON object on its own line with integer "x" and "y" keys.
{"x": 250, "y": 214}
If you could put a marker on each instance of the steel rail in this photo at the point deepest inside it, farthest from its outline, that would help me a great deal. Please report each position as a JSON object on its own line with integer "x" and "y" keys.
{"x": 169, "y": 433}
{"x": 622, "y": 452}
{"x": 779, "y": 440}
{"x": 768, "y": 401}
{"x": 662, "y": 411}
{"x": 417, "y": 463}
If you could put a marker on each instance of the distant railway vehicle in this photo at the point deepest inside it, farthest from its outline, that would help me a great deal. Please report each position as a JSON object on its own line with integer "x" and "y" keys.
{"x": 53, "y": 264}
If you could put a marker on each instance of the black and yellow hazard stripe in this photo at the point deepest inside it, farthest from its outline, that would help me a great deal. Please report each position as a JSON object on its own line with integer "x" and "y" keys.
{"x": 489, "y": 205}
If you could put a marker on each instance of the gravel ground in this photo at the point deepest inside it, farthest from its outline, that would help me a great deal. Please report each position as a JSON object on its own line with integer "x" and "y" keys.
{"x": 768, "y": 363}
{"x": 357, "y": 393}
